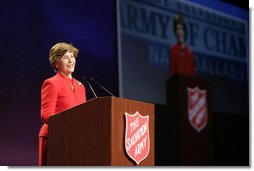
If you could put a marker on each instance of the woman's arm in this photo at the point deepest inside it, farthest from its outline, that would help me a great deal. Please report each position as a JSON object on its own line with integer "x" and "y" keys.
{"x": 48, "y": 100}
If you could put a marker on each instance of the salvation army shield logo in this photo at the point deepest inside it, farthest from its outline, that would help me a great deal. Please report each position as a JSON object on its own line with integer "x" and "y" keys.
{"x": 197, "y": 108}
{"x": 137, "y": 139}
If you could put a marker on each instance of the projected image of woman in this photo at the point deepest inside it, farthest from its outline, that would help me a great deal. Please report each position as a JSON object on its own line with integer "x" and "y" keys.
{"x": 181, "y": 59}
{"x": 59, "y": 92}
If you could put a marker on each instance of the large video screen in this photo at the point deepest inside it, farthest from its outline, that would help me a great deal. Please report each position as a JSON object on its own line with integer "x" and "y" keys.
{"x": 217, "y": 34}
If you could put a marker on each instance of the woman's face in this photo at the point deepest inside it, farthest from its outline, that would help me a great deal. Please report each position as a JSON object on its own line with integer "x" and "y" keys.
{"x": 180, "y": 33}
{"x": 66, "y": 64}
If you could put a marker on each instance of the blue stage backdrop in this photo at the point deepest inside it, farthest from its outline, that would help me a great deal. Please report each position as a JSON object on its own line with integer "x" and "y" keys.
{"x": 28, "y": 30}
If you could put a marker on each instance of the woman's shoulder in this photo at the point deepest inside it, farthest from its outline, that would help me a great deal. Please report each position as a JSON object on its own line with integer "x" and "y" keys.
{"x": 52, "y": 80}
{"x": 174, "y": 46}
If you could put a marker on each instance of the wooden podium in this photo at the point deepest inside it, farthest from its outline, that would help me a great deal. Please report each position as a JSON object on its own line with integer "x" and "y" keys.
{"x": 188, "y": 146}
{"x": 93, "y": 133}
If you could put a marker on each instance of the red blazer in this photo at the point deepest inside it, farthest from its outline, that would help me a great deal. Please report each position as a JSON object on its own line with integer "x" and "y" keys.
{"x": 58, "y": 95}
{"x": 181, "y": 61}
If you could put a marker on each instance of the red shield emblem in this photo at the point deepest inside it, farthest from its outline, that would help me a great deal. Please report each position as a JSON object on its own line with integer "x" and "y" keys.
{"x": 197, "y": 108}
{"x": 137, "y": 139}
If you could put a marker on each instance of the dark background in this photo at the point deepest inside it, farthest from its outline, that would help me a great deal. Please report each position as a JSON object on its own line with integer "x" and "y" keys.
{"x": 28, "y": 30}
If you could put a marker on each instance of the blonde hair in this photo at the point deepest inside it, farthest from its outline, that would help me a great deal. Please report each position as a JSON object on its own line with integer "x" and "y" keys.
{"x": 58, "y": 50}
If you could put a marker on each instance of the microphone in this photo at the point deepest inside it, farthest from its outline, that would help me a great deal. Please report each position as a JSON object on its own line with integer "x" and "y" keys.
{"x": 83, "y": 77}
{"x": 91, "y": 78}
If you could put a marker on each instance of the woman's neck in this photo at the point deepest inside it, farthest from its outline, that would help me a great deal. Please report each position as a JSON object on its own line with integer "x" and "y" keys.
{"x": 181, "y": 44}
{"x": 66, "y": 75}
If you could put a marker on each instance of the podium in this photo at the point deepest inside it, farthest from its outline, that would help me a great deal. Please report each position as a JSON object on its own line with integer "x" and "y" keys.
{"x": 189, "y": 144}
{"x": 93, "y": 133}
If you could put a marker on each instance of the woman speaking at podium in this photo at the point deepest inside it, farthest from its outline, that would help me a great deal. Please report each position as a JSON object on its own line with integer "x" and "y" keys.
{"x": 59, "y": 92}
{"x": 181, "y": 59}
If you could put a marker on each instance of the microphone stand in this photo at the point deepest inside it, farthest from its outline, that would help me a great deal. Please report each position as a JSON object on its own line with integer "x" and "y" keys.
{"x": 91, "y": 78}
{"x": 89, "y": 86}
